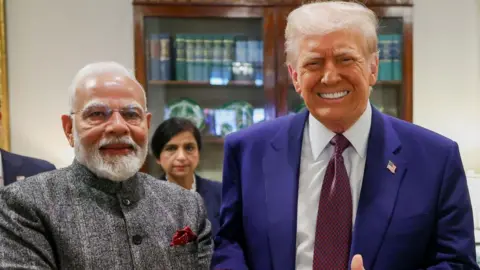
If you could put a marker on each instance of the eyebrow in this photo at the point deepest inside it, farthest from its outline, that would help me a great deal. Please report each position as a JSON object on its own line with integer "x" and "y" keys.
{"x": 312, "y": 57}
{"x": 335, "y": 52}
{"x": 92, "y": 103}
{"x": 134, "y": 105}
{"x": 188, "y": 143}
{"x": 96, "y": 103}
{"x": 170, "y": 144}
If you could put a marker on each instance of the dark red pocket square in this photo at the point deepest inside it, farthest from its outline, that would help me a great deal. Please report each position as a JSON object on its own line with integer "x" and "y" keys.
{"x": 183, "y": 237}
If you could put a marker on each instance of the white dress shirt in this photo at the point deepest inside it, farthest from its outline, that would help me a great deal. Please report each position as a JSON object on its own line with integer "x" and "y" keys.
{"x": 316, "y": 153}
{"x": 194, "y": 184}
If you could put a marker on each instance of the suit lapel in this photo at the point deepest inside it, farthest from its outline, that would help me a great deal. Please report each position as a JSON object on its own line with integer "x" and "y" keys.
{"x": 281, "y": 167}
{"x": 11, "y": 165}
{"x": 379, "y": 189}
{"x": 199, "y": 186}
{"x": 202, "y": 189}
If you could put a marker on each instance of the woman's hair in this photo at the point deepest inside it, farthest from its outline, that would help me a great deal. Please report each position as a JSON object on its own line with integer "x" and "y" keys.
{"x": 320, "y": 18}
{"x": 171, "y": 128}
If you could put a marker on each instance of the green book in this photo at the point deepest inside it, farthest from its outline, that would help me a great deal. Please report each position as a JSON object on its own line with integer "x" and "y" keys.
{"x": 190, "y": 57}
{"x": 180, "y": 63}
{"x": 207, "y": 57}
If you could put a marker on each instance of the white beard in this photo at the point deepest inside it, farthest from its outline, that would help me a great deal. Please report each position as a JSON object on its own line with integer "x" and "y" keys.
{"x": 114, "y": 168}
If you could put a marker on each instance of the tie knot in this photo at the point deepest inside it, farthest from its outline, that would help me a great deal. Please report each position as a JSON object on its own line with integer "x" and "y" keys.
{"x": 340, "y": 142}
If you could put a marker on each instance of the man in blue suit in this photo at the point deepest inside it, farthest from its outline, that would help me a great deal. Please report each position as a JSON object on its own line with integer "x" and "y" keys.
{"x": 15, "y": 167}
{"x": 341, "y": 185}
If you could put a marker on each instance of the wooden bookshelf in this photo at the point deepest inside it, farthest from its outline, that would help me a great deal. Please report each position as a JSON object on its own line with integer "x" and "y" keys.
{"x": 264, "y": 20}
{"x": 200, "y": 83}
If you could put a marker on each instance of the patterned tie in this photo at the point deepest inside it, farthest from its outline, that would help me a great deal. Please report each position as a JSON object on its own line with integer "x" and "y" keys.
{"x": 334, "y": 218}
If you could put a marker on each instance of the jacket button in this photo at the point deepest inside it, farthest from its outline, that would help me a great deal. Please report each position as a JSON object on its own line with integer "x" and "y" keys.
{"x": 126, "y": 202}
{"x": 137, "y": 239}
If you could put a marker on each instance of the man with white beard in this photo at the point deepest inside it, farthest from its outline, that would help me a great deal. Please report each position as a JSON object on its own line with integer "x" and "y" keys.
{"x": 101, "y": 212}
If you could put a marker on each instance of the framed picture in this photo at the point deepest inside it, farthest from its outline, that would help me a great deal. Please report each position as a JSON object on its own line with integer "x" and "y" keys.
{"x": 5, "y": 125}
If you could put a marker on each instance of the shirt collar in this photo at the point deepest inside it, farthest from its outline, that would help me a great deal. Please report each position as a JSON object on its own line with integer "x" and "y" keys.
{"x": 320, "y": 136}
{"x": 194, "y": 184}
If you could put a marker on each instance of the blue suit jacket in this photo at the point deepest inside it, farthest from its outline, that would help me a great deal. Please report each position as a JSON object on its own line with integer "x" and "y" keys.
{"x": 16, "y": 165}
{"x": 419, "y": 217}
{"x": 211, "y": 192}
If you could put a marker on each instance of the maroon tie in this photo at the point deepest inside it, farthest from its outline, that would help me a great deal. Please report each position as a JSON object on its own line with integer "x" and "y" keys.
{"x": 334, "y": 218}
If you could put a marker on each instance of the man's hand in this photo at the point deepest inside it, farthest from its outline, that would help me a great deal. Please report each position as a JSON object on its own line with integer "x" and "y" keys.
{"x": 357, "y": 262}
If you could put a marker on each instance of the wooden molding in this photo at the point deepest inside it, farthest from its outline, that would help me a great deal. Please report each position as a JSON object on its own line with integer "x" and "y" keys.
{"x": 4, "y": 104}
{"x": 205, "y": 2}
{"x": 366, "y": 2}
{"x": 265, "y": 2}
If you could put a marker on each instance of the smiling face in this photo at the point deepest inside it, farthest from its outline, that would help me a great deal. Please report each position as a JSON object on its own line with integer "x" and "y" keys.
{"x": 333, "y": 73}
{"x": 109, "y": 126}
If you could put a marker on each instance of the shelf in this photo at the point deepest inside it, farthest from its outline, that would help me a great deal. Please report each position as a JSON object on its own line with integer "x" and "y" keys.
{"x": 199, "y": 83}
{"x": 389, "y": 83}
{"x": 213, "y": 139}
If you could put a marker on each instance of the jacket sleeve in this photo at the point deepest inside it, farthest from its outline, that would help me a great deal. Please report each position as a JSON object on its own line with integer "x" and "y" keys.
{"x": 229, "y": 240}
{"x": 23, "y": 240}
{"x": 205, "y": 243}
{"x": 454, "y": 246}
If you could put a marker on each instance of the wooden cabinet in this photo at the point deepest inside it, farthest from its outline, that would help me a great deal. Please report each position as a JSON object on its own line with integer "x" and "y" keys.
{"x": 177, "y": 60}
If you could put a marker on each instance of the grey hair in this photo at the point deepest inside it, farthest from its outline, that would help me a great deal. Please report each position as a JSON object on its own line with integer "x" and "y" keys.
{"x": 321, "y": 18}
{"x": 95, "y": 69}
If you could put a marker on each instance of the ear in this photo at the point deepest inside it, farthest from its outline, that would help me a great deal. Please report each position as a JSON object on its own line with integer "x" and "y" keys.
{"x": 67, "y": 125}
{"x": 294, "y": 75}
{"x": 372, "y": 79}
{"x": 149, "y": 119}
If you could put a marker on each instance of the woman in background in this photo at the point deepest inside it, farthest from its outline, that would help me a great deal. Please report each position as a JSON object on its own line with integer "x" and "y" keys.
{"x": 176, "y": 145}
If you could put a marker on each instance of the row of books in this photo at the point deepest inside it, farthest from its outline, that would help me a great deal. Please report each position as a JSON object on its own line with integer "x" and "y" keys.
{"x": 390, "y": 56}
{"x": 219, "y": 59}
{"x": 212, "y": 58}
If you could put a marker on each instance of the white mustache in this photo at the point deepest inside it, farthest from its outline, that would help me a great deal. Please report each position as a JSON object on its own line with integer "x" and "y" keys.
{"x": 118, "y": 140}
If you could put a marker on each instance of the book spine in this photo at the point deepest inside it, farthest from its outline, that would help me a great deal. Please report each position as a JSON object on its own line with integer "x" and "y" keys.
{"x": 180, "y": 63}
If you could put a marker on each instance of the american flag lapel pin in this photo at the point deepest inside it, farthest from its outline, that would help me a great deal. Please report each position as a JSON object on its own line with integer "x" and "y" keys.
{"x": 391, "y": 167}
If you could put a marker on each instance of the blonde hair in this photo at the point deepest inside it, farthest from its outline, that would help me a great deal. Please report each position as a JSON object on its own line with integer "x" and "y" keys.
{"x": 320, "y": 18}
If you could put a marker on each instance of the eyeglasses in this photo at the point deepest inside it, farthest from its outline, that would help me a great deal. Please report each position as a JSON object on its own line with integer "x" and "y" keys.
{"x": 99, "y": 114}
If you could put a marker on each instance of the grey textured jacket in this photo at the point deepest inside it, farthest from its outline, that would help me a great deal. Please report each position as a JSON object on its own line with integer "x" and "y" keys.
{"x": 70, "y": 219}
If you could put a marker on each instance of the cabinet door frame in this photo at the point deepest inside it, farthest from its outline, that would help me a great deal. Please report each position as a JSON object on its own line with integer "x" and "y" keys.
{"x": 404, "y": 12}
{"x": 234, "y": 12}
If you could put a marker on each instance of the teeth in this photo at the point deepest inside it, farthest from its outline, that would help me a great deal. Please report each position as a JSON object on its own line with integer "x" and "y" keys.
{"x": 333, "y": 95}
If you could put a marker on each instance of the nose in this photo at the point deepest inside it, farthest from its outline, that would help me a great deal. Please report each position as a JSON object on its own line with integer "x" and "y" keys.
{"x": 330, "y": 75}
{"x": 116, "y": 125}
{"x": 181, "y": 155}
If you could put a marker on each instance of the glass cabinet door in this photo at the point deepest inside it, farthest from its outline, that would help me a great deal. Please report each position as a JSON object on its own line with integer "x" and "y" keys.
{"x": 386, "y": 95}
{"x": 209, "y": 70}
